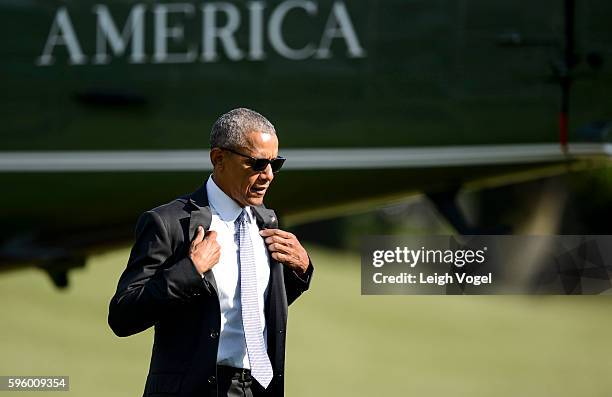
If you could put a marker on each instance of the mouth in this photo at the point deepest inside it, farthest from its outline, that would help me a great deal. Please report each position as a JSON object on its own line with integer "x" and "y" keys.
{"x": 258, "y": 190}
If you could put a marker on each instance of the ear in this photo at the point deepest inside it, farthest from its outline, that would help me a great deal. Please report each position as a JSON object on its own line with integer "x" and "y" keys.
{"x": 216, "y": 158}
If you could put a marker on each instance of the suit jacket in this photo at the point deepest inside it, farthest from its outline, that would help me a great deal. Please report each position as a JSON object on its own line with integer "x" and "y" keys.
{"x": 161, "y": 287}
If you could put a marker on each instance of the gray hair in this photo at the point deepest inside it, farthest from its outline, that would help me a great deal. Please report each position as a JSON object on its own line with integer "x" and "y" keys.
{"x": 231, "y": 128}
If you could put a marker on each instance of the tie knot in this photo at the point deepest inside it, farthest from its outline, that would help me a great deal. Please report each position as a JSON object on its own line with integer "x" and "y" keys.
{"x": 243, "y": 218}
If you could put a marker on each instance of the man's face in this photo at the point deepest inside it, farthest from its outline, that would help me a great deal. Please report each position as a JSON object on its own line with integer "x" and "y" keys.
{"x": 235, "y": 175}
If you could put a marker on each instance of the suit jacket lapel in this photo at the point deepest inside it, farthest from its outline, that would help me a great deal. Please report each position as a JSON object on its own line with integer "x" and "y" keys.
{"x": 201, "y": 215}
{"x": 266, "y": 218}
{"x": 276, "y": 302}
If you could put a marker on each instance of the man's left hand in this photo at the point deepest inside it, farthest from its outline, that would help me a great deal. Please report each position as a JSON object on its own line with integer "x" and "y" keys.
{"x": 285, "y": 248}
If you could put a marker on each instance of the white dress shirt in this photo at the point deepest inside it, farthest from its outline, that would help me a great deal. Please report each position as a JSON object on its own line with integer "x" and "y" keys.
{"x": 232, "y": 345}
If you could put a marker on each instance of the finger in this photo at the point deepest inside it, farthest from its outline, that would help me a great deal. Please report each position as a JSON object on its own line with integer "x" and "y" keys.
{"x": 278, "y": 239}
{"x": 280, "y": 256}
{"x": 276, "y": 247}
{"x": 281, "y": 242}
{"x": 211, "y": 235}
{"x": 199, "y": 235}
{"x": 266, "y": 232}
{"x": 275, "y": 232}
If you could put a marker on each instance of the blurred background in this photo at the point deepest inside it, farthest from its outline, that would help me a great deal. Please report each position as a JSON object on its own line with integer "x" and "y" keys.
{"x": 396, "y": 116}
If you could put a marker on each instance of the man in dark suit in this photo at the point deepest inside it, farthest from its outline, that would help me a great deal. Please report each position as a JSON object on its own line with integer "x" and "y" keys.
{"x": 213, "y": 273}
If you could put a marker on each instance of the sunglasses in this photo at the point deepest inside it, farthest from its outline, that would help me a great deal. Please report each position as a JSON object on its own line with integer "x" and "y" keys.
{"x": 259, "y": 165}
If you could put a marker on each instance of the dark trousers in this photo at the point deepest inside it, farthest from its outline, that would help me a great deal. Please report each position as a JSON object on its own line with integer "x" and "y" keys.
{"x": 235, "y": 382}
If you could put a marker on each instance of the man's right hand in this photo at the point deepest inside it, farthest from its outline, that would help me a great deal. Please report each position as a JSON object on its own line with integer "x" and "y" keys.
{"x": 204, "y": 250}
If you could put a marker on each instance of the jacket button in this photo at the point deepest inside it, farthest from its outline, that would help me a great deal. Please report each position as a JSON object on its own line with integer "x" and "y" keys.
{"x": 212, "y": 380}
{"x": 214, "y": 334}
{"x": 280, "y": 331}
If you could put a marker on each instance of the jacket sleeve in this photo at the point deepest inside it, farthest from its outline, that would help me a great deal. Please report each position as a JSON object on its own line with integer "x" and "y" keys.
{"x": 153, "y": 281}
{"x": 296, "y": 284}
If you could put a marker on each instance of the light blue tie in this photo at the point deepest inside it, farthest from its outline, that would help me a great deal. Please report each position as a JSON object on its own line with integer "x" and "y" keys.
{"x": 261, "y": 368}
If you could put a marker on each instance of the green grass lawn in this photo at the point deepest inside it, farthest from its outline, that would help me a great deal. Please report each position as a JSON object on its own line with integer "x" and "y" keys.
{"x": 339, "y": 342}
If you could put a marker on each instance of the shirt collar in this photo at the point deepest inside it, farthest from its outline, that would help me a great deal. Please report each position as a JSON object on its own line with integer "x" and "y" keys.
{"x": 227, "y": 209}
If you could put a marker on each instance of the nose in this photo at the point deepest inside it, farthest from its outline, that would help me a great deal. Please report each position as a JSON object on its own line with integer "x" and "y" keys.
{"x": 267, "y": 173}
